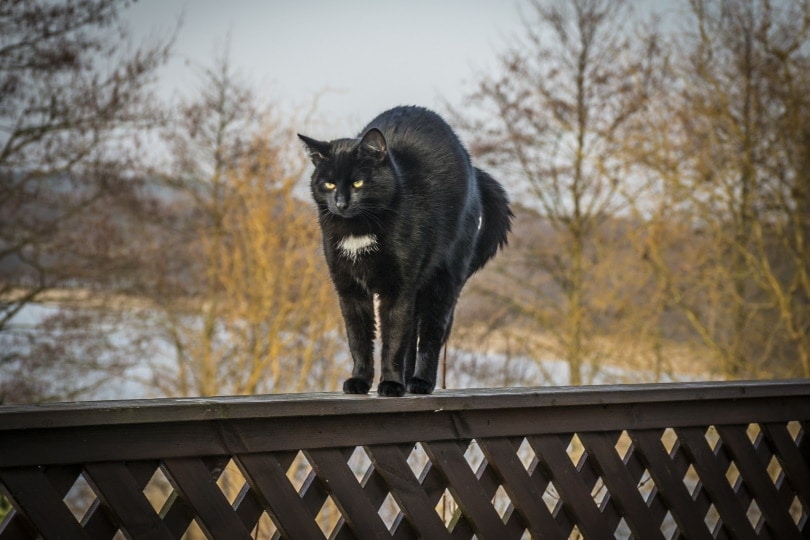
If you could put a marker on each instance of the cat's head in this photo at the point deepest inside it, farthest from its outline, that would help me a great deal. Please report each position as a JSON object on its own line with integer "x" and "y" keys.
{"x": 353, "y": 178}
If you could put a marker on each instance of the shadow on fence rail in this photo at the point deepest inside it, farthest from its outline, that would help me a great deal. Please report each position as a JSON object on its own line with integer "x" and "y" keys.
{"x": 697, "y": 460}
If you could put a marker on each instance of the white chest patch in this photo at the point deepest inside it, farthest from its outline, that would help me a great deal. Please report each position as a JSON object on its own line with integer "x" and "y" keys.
{"x": 353, "y": 247}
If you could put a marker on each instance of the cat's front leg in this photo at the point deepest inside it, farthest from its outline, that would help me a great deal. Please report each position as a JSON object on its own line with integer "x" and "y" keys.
{"x": 396, "y": 320}
{"x": 357, "y": 307}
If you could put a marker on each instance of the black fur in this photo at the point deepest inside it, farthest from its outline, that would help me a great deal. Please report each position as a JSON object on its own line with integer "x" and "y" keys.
{"x": 407, "y": 183}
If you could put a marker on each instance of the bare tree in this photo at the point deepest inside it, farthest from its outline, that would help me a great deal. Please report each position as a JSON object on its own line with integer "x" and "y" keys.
{"x": 554, "y": 122}
{"x": 73, "y": 95}
{"x": 730, "y": 155}
{"x": 259, "y": 315}
{"x": 70, "y": 91}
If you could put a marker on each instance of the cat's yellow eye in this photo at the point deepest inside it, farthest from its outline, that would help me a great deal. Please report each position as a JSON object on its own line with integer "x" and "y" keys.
{"x": 329, "y": 186}
{"x": 357, "y": 184}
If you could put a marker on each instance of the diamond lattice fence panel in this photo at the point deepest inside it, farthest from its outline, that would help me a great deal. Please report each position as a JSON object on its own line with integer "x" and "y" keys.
{"x": 717, "y": 460}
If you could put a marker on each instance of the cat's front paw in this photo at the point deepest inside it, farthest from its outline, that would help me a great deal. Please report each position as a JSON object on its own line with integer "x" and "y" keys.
{"x": 420, "y": 386}
{"x": 355, "y": 385}
{"x": 391, "y": 389}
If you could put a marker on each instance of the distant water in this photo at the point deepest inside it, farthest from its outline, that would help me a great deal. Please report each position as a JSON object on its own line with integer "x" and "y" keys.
{"x": 466, "y": 369}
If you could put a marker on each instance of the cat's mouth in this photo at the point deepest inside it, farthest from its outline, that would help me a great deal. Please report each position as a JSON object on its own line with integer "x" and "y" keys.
{"x": 346, "y": 213}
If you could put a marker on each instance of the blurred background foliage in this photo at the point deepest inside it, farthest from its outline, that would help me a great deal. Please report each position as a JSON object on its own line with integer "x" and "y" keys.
{"x": 660, "y": 174}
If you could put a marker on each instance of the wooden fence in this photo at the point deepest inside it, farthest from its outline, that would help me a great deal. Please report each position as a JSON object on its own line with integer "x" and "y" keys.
{"x": 702, "y": 460}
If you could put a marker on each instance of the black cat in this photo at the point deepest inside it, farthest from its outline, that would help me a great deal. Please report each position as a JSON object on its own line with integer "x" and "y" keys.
{"x": 405, "y": 216}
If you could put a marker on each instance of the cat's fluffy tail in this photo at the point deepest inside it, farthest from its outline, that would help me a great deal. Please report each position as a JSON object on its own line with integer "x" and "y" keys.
{"x": 496, "y": 220}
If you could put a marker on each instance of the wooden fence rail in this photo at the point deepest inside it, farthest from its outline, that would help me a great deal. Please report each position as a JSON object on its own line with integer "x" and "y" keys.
{"x": 696, "y": 460}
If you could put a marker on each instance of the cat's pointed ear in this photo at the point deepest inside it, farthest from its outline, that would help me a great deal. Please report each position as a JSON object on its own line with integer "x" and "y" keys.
{"x": 373, "y": 144}
{"x": 318, "y": 150}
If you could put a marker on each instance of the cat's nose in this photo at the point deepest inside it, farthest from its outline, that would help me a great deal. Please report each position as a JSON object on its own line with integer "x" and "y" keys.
{"x": 341, "y": 203}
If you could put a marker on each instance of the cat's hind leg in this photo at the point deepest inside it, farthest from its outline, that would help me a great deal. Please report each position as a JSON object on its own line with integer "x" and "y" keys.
{"x": 410, "y": 356}
{"x": 436, "y": 306}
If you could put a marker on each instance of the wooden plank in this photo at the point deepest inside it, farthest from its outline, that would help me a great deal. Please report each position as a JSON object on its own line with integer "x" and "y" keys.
{"x": 310, "y": 492}
{"x": 377, "y": 490}
{"x": 341, "y": 531}
{"x": 524, "y": 494}
{"x": 347, "y": 494}
{"x": 96, "y": 521}
{"x": 796, "y": 469}
{"x": 16, "y": 526}
{"x": 400, "y": 528}
{"x": 313, "y": 493}
{"x": 702, "y": 501}
{"x": 34, "y": 495}
{"x": 763, "y": 452}
{"x": 268, "y": 478}
{"x": 784, "y": 495}
{"x": 214, "y": 514}
{"x": 486, "y": 475}
{"x": 203, "y": 438}
{"x": 636, "y": 468}
{"x": 248, "y": 506}
{"x": 541, "y": 482}
{"x": 466, "y": 489}
{"x": 373, "y": 484}
{"x": 432, "y": 484}
{"x": 172, "y": 410}
{"x": 406, "y": 491}
{"x": 176, "y": 513}
{"x": 713, "y": 477}
{"x": 62, "y": 477}
{"x": 621, "y": 484}
{"x": 99, "y": 521}
{"x": 722, "y": 462}
{"x": 590, "y": 473}
{"x": 764, "y": 492}
{"x": 668, "y": 478}
{"x": 459, "y": 526}
{"x": 563, "y": 514}
{"x": 682, "y": 463}
{"x": 490, "y": 482}
{"x": 121, "y": 493}
{"x": 570, "y": 485}
{"x": 513, "y": 518}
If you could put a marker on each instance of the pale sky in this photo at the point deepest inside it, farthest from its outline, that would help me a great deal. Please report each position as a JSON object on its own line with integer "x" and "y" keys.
{"x": 365, "y": 55}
